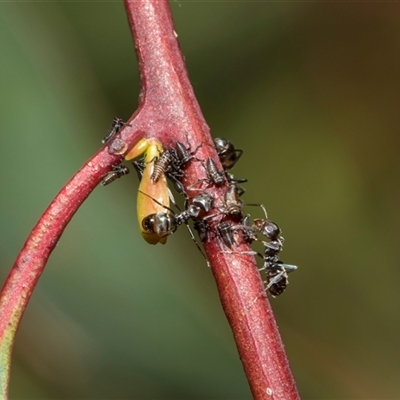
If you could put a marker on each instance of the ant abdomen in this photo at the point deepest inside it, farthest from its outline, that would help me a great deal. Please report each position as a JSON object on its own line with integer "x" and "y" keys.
{"x": 161, "y": 224}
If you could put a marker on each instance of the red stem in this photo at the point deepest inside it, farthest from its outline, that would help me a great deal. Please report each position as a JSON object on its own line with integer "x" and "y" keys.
{"x": 168, "y": 111}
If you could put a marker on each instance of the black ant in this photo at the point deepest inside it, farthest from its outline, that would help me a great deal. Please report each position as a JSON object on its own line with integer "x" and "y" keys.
{"x": 115, "y": 127}
{"x": 117, "y": 171}
{"x": 166, "y": 223}
{"x": 276, "y": 271}
{"x": 227, "y": 153}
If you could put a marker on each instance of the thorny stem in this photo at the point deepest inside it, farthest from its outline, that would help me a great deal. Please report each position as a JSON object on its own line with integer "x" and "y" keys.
{"x": 169, "y": 112}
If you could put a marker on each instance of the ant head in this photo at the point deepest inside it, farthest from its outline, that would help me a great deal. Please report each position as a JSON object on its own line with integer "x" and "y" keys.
{"x": 267, "y": 228}
{"x": 227, "y": 153}
{"x": 223, "y": 145}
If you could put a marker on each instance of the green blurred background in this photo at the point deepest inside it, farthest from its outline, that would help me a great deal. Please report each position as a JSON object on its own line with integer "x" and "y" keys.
{"x": 310, "y": 92}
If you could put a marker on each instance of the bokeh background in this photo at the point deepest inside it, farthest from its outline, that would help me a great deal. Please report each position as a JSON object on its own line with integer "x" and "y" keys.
{"x": 310, "y": 91}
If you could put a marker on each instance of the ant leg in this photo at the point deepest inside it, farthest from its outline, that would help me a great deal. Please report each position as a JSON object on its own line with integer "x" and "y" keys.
{"x": 251, "y": 253}
{"x": 202, "y": 188}
{"x": 192, "y": 153}
{"x": 277, "y": 278}
{"x": 195, "y": 242}
{"x": 232, "y": 179}
{"x": 274, "y": 281}
{"x": 178, "y": 185}
{"x": 289, "y": 268}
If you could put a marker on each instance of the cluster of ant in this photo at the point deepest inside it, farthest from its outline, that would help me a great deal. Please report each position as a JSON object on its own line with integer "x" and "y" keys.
{"x": 156, "y": 226}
